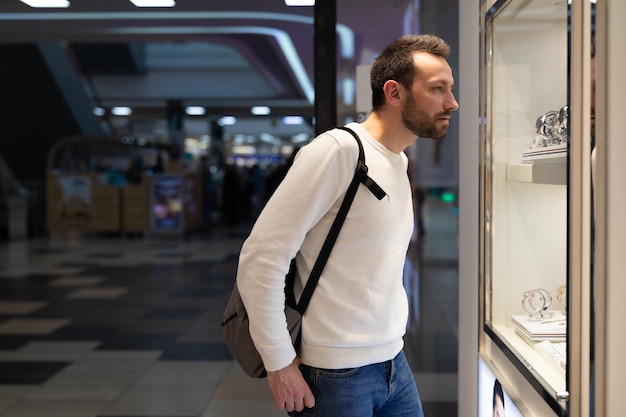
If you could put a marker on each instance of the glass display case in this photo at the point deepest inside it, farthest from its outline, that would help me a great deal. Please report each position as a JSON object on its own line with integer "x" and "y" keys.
{"x": 531, "y": 192}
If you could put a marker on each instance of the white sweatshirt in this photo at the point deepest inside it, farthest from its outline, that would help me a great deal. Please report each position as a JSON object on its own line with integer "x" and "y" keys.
{"x": 358, "y": 313}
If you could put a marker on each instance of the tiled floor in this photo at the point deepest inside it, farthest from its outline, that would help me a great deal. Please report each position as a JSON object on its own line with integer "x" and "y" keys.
{"x": 103, "y": 327}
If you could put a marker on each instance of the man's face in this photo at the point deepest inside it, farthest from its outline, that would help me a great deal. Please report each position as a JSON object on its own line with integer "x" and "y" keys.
{"x": 430, "y": 102}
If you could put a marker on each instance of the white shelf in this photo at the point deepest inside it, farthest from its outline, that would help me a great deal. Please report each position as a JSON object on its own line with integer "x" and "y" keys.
{"x": 546, "y": 173}
{"x": 554, "y": 377}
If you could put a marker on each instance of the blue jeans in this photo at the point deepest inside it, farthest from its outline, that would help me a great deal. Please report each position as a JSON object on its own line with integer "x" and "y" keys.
{"x": 384, "y": 389}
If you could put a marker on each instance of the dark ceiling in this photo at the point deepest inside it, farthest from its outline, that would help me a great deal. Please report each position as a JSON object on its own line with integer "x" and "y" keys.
{"x": 225, "y": 55}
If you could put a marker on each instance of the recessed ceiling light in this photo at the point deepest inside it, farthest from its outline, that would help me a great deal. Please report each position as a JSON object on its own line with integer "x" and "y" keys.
{"x": 300, "y": 137}
{"x": 47, "y": 3}
{"x": 153, "y": 3}
{"x": 227, "y": 120}
{"x": 293, "y": 120}
{"x": 121, "y": 111}
{"x": 99, "y": 111}
{"x": 260, "y": 110}
{"x": 195, "y": 110}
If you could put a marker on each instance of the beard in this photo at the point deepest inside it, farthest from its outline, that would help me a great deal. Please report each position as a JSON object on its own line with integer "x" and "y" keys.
{"x": 421, "y": 124}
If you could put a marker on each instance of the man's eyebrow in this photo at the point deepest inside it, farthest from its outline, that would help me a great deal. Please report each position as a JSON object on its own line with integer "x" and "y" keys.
{"x": 441, "y": 80}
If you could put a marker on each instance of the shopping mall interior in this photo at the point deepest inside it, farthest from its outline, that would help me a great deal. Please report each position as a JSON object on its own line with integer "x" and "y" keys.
{"x": 111, "y": 289}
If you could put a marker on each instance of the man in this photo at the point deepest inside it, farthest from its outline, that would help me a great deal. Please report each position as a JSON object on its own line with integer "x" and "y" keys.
{"x": 351, "y": 362}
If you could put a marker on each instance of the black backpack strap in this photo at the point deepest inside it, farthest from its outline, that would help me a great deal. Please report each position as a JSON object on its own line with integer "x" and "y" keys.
{"x": 361, "y": 170}
{"x": 360, "y": 176}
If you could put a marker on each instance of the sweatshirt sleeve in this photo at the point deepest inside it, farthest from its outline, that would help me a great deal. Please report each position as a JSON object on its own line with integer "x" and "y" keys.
{"x": 318, "y": 177}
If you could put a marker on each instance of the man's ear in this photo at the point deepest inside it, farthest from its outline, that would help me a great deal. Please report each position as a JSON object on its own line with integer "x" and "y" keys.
{"x": 393, "y": 93}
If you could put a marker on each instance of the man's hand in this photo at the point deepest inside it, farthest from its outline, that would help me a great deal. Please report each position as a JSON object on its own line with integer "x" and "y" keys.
{"x": 290, "y": 390}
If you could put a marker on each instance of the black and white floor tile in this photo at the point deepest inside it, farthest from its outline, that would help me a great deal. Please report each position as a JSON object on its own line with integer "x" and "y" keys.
{"x": 110, "y": 326}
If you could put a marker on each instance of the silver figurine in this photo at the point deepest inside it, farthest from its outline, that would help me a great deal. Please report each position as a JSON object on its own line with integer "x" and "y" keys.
{"x": 551, "y": 128}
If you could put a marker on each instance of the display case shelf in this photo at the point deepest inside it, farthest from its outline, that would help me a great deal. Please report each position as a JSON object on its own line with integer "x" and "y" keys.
{"x": 545, "y": 173}
{"x": 536, "y": 362}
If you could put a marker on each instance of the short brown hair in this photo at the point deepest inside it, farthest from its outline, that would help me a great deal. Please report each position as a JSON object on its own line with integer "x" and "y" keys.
{"x": 396, "y": 62}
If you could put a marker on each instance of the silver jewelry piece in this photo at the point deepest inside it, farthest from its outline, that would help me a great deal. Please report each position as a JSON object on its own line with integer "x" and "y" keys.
{"x": 535, "y": 302}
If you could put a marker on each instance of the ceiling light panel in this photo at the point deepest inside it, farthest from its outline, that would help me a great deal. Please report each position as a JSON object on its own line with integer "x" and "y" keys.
{"x": 153, "y": 3}
{"x": 300, "y": 2}
{"x": 47, "y": 3}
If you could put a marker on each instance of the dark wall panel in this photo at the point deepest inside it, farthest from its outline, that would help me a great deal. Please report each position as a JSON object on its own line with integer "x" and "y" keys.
{"x": 33, "y": 112}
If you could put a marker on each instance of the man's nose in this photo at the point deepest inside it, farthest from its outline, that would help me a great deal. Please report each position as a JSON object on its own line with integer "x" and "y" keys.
{"x": 452, "y": 104}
